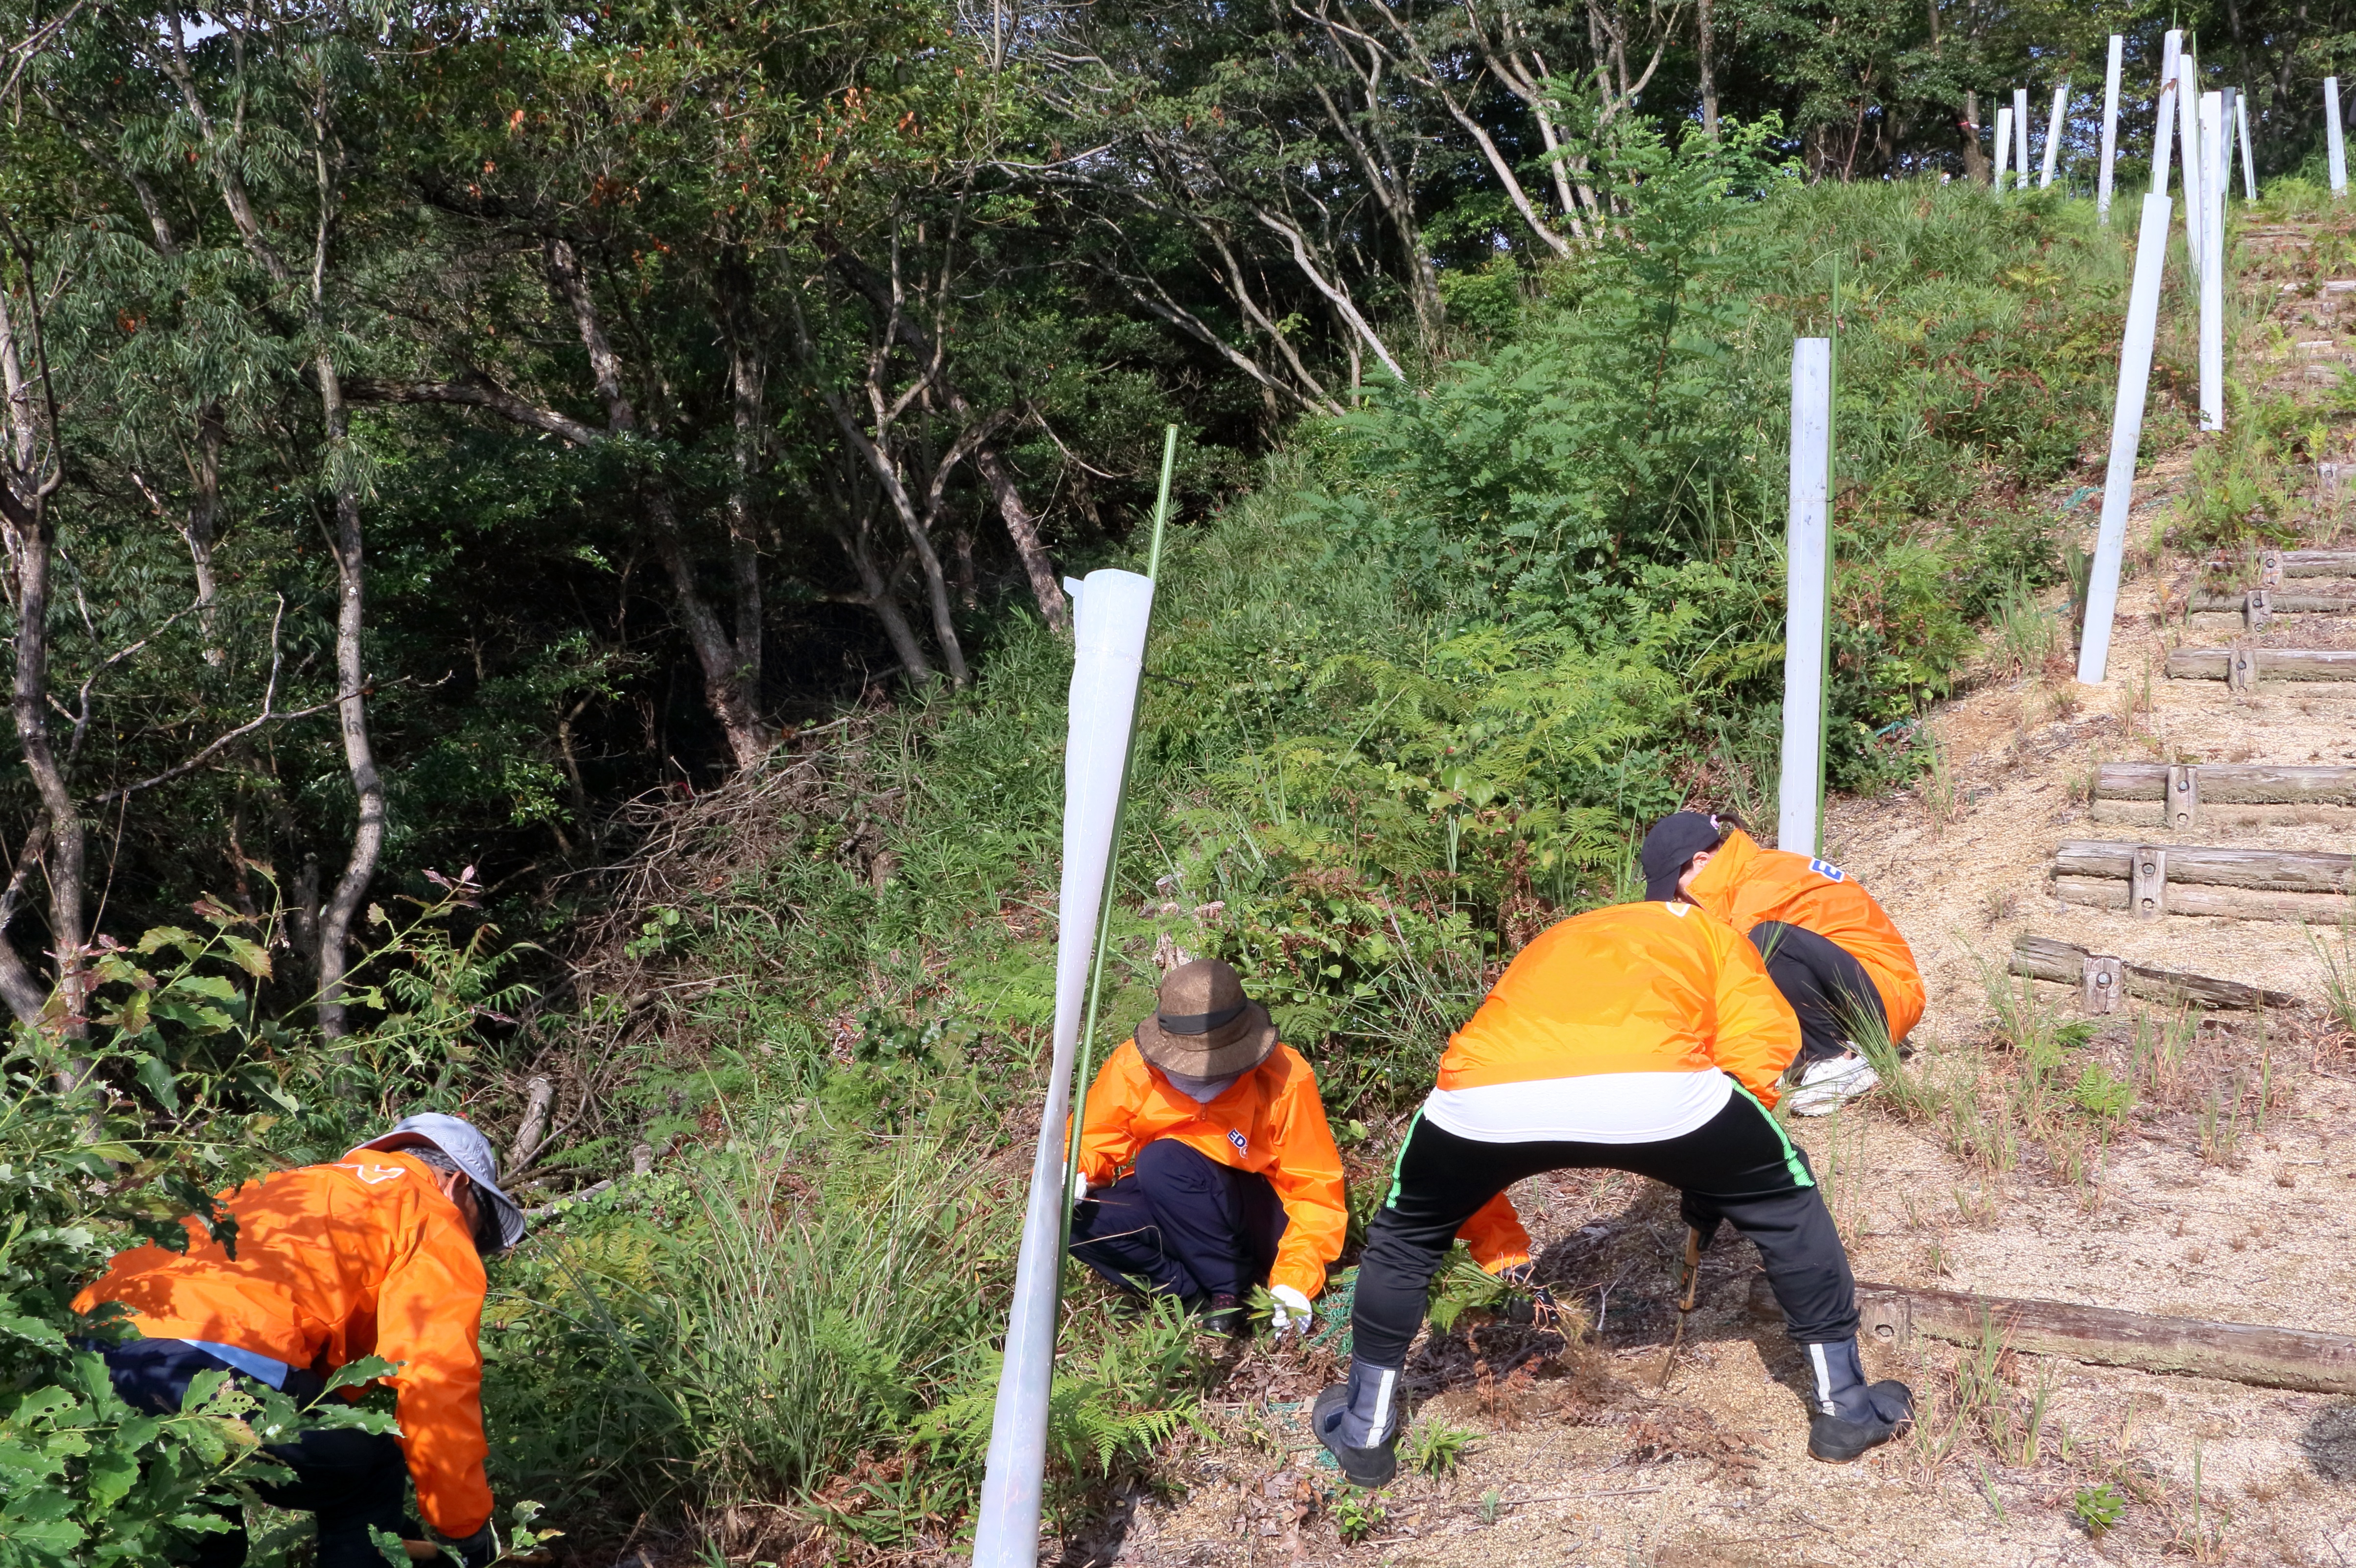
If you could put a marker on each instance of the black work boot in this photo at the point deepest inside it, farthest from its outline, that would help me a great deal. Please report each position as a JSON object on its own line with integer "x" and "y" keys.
{"x": 1358, "y": 1422}
{"x": 1852, "y": 1415}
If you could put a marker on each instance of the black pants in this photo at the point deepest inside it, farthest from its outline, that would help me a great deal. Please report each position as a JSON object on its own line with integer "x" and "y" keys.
{"x": 1825, "y": 983}
{"x": 351, "y": 1480}
{"x": 1184, "y": 1223}
{"x": 1737, "y": 1167}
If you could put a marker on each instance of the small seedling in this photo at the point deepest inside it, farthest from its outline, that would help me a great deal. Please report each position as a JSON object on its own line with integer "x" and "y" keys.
{"x": 2098, "y": 1508}
{"x": 1437, "y": 1449}
{"x": 1493, "y": 1502}
{"x": 1357, "y": 1515}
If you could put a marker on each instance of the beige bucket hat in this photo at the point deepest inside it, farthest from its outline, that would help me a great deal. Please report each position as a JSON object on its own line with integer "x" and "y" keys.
{"x": 1205, "y": 1026}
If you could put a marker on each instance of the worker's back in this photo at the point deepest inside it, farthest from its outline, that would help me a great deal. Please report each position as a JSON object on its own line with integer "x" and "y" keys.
{"x": 1645, "y": 988}
{"x": 1745, "y": 885}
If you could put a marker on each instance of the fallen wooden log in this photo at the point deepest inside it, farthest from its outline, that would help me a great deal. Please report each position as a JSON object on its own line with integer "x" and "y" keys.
{"x": 2265, "y": 664}
{"x": 2229, "y": 903}
{"x": 2064, "y": 963}
{"x": 2237, "y": 1353}
{"x": 2231, "y": 784}
{"x": 2289, "y": 870}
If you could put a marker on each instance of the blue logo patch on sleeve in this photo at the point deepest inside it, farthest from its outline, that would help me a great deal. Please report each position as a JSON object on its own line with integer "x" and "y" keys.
{"x": 1827, "y": 870}
{"x": 1243, "y": 1144}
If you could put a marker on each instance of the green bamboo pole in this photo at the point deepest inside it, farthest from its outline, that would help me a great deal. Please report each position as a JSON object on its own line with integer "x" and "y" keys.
{"x": 1112, "y": 858}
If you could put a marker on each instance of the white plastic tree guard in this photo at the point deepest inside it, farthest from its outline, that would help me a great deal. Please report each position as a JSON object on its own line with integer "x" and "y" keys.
{"x": 2335, "y": 148}
{"x": 2127, "y": 436}
{"x": 1110, "y": 615}
{"x": 2110, "y": 127}
{"x": 1808, "y": 575}
{"x": 2188, "y": 133}
{"x": 2053, "y": 134}
{"x": 2163, "y": 123}
{"x": 2249, "y": 168}
{"x": 2003, "y": 147}
{"x": 2212, "y": 261}
{"x": 2021, "y": 137}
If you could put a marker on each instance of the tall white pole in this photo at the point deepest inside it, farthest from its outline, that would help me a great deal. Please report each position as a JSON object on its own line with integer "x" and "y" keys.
{"x": 2003, "y": 147}
{"x": 2110, "y": 127}
{"x": 2187, "y": 131}
{"x": 1807, "y": 554}
{"x": 1110, "y": 617}
{"x": 2053, "y": 134}
{"x": 2163, "y": 126}
{"x": 2126, "y": 435}
{"x": 2020, "y": 137}
{"x": 2212, "y": 261}
{"x": 2249, "y": 169}
{"x": 2337, "y": 149}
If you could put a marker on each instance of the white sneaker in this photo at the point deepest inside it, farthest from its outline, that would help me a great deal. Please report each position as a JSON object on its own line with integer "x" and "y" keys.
{"x": 1827, "y": 1086}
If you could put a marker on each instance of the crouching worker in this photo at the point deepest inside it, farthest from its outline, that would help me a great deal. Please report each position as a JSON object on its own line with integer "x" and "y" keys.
{"x": 1206, "y": 1165}
{"x": 1644, "y": 1037}
{"x": 378, "y": 1255}
{"x": 1837, "y": 958}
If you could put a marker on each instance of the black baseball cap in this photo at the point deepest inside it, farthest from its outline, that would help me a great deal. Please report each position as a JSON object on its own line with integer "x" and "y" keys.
{"x": 1673, "y": 841}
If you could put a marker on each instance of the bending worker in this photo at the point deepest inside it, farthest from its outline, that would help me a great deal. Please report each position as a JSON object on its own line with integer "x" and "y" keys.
{"x": 1835, "y": 956}
{"x": 1644, "y": 1038}
{"x": 378, "y": 1255}
{"x": 1231, "y": 1175}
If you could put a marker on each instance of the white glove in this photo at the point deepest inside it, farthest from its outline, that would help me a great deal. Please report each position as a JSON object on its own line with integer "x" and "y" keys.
{"x": 1079, "y": 1187}
{"x": 1292, "y": 1311}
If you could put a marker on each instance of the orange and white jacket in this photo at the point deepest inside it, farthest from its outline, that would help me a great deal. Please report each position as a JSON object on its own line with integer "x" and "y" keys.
{"x": 365, "y": 1257}
{"x": 1640, "y": 987}
{"x": 1270, "y": 1120}
{"x": 1744, "y": 884}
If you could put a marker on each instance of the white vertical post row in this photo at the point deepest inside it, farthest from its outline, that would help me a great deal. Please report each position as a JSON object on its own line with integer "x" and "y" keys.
{"x": 2110, "y": 127}
{"x": 2249, "y": 168}
{"x": 2212, "y": 261}
{"x": 2127, "y": 436}
{"x": 2021, "y": 137}
{"x": 2163, "y": 127}
{"x": 2187, "y": 133}
{"x": 2003, "y": 147}
{"x": 1110, "y": 615}
{"x": 2053, "y": 134}
{"x": 2337, "y": 148}
{"x": 1807, "y": 566}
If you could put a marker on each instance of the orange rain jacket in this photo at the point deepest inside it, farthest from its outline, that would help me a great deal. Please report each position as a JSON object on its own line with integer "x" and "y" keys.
{"x": 1269, "y": 1120}
{"x": 1743, "y": 884}
{"x": 366, "y": 1257}
{"x": 1643, "y": 988}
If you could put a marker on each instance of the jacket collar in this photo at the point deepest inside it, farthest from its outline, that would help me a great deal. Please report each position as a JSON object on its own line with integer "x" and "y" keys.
{"x": 1713, "y": 889}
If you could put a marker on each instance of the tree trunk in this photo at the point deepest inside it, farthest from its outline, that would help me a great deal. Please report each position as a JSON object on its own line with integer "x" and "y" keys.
{"x": 204, "y": 520}
{"x": 1706, "y": 31}
{"x": 1023, "y": 529}
{"x": 351, "y": 711}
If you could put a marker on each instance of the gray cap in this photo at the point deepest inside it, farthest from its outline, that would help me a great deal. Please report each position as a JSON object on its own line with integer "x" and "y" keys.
{"x": 469, "y": 1150}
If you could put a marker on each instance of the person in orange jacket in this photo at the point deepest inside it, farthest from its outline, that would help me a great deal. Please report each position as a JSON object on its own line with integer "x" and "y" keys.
{"x": 1644, "y": 1038}
{"x": 1206, "y": 1165}
{"x": 1837, "y": 958}
{"x": 379, "y": 1254}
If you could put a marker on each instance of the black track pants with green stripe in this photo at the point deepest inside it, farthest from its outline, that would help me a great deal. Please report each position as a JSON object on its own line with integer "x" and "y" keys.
{"x": 1737, "y": 1167}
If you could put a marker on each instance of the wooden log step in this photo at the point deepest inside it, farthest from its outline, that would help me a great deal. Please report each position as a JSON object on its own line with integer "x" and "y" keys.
{"x": 2237, "y": 1353}
{"x": 2289, "y": 870}
{"x": 2265, "y": 663}
{"x": 2231, "y": 784}
{"x": 2318, "y": 562}
{"x": 2226, "y": 904}
{"x": 2152, "y": 816}
{"x": 2276, "y": 603}
{"x": 2064, "y": 964}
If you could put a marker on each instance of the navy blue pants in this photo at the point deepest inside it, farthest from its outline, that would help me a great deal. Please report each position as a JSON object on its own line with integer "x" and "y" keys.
{"x": 1183, "y": 1223}
{"x": 1825, "y": 985}
{"x": 352, "y": 1480}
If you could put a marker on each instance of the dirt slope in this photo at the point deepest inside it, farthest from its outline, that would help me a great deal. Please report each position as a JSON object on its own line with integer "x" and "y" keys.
{"x": 2223, "y": 1193}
